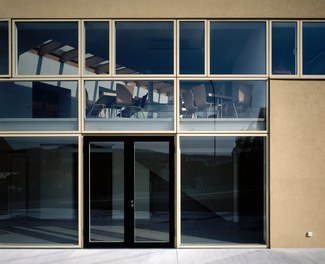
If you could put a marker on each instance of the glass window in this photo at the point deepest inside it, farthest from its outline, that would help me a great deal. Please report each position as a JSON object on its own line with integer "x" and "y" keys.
{"x": 192, "y": 47}
{"x": 145, "y": 47}
{"x": 39, "y": 190}
{"x": 222, "y": 105}
{"x": 284, "y": 47}
{"x": 47, "y": 48}
{"x": 313, "y": 48}
{"x": 38, "y": 105}
{"x": 97, "y": 47}
{"x": 4, "y": 48}
{"x": 238, "y": 48}
{"x": 223, "y": 190}
{"x": 129, "y": 105}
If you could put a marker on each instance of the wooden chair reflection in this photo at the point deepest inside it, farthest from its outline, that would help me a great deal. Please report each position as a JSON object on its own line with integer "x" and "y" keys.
{"x": 200, "y": 98}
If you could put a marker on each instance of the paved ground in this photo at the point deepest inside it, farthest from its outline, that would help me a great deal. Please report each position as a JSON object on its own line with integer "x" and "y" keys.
{"x": 164, "y": 256}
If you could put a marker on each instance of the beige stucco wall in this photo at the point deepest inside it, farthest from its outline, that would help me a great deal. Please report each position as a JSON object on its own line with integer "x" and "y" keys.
{"x": 297, "y": 163}
{"x": 162, "y": 9}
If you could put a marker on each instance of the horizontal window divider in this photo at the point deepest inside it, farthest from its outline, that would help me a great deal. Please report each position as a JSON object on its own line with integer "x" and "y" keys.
{"x": 40, "y": 134}
{"x": 222, "y": 133}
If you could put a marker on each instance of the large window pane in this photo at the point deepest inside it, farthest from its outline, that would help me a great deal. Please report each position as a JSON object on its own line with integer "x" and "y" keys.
{"x": 192, "y": 47}
{"x": 237, "y": 48}
{"x": 36, "y": 105}
{"x": 284, "y": 37}
{"x": 4, "y": 47}
{"x": 129, "y": 105}
{"x": 223, "y": 105}
{"x": 38, "y": 190}
{"x": 313, "y": 48}
{"x": 145, "y": 47}
{"x": 223, "y": 190}
{"x": 47, "y": 48}
{"x": 97, "y": 47}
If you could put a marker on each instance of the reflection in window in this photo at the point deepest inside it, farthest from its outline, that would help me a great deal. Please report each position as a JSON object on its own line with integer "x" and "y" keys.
{"x": 38, "y": 190}
{"x": 313, "y": 48}
{"x": 144, "y": 47}
{"x": 284, "y": 47}
{"x": 34, "y": 100}
{"x": 4, "y": 47}
{"x": 97, "y": 47}
{"x": 222, "y": 190}
{"x": 226, "y": 105}
{"x": 191, "y": 47}
{"x": 238, "y": 48}
{"x": 149, "y": 101}
{"x": 47, "y": 48}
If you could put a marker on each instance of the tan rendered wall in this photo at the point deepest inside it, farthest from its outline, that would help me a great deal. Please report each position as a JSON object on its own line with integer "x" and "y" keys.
{"x": 162, "y": 9}
{"x": 297, "y": 163}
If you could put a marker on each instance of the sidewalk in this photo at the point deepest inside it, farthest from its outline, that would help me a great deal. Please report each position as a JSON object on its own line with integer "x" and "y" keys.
{"x": 163, "y": 256}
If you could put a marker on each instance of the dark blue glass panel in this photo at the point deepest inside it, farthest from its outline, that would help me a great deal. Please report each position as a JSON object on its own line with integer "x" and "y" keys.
{"x": 47, "y": 48}
{"x": 223, "y": 190}
{"x": 4, "y": 48}
{"x": 144, "y": 47}
{"x": 313, "y": 48}
{"x": 39, "y": 190}
{"x": 284, "y": 47}
{"x": 191, "y": 47}
{"x": 238, "y": 48}
{"x": 97, "y": 47}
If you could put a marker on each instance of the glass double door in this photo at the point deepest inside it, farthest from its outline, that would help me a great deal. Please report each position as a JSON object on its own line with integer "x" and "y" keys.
{"x": 129, "y": 192}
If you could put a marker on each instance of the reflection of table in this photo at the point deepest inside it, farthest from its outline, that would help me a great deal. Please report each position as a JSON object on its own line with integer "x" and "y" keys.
{"x": 107, "y": 99}
{"x": 218, "y": 99}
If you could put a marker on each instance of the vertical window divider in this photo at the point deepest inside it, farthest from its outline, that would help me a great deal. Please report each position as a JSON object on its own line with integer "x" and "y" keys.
{"x": 80, "y": 191}
{"x": 299, "y": 49}
{"x": 178, "y": 192}
{"x": 80, "y": 48}
{"x": 113, "y": 48}
{"x": 207, "y": 48}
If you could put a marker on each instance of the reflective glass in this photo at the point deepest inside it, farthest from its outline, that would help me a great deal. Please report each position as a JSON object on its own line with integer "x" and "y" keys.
{"x": 237, "y": 48}
{"x": 284, "y": 47}
{"x": 144, "y": 47}
{"x": 151, "y": 192}
{"x": 223, "y": 105}
{"x": 38, "y": 105}
{"x": 106, "y": 192}
{"x": 97, "y": 47}
{"x": 47, "y": 48}
{"x": 191, "y": 47}
{"x": 223, "y": 193}
{"x": 4, "y": 47}
{"x": 38, "y": 190}
{"x": 313, "y": 48}
{"x": 129, "y": 105}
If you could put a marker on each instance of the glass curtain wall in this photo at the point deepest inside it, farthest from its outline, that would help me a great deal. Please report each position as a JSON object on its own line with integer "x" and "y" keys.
{"x": 223, "y": 186}
{"x": 38, "y": 190}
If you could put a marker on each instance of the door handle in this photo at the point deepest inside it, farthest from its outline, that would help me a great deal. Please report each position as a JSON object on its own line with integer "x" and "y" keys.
{"x": 132, "y": 203}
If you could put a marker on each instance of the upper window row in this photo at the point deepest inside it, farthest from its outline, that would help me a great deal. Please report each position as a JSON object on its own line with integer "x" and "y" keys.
{"x": 149, "y": 47}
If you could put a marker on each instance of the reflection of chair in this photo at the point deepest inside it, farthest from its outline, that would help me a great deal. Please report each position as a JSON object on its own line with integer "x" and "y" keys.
{"x": 200, "y": 97}
{"x": 135, "y": 108}
{"x": 124, "y": 95}
{"x": 244, "y": 99}
{"x": 93, "y": 109}
{"x": 187, "y": 96}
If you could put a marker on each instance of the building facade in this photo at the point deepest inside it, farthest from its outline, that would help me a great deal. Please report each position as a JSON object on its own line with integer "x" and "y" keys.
{"x": 162, "y": 124}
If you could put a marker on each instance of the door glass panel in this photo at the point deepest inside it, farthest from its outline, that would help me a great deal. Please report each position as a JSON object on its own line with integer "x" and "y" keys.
{"x": 106, "y": 223}
{"x": 151, "y": 191}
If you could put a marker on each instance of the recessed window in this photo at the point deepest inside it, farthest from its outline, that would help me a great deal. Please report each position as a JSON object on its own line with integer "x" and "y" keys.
{"x": 223, "y": 190}
{"x": 38, "y": 105}
{"x": 39, "y": 190}
{"x": 238, "y": 48}
{"x": 284, "y": 47}
{"x": 4, "y": 48}
{"x": 191, "y": 47}
{"x": 313, "y": 48}
{"x": 144, "y": 47}
{"x": 47, "y": 48}
{"x": 97, "y": 47}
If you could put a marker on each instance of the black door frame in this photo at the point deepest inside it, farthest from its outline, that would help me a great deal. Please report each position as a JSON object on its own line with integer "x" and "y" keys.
{"x": 129, "y": 192}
